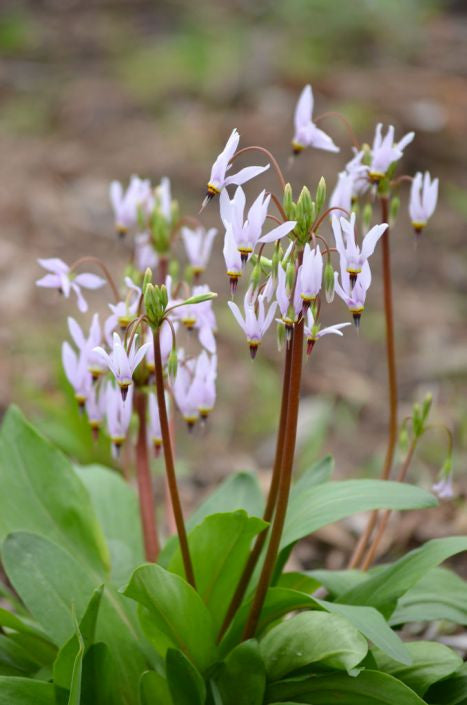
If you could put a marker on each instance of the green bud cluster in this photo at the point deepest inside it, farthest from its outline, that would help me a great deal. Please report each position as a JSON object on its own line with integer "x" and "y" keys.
{"x": 305, "y": 210}
{"x": 155, "y": 300}
{"x": 328, "y": 281}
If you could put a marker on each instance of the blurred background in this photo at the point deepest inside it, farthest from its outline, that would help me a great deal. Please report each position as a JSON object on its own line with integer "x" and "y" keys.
{"x": 96, "y": 90}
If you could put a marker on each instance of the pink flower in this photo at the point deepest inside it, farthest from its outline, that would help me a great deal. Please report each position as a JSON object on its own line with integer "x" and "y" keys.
{"x": 385, "y": 151}
{"x": 185, "y": 392}
{"x": 352, "y": 257}
{"x": 96, "y": 407}
{"x": 306, "y": 132}
{"x": 86, "y": 345}
{"x": 204, "y": 383}
{"x": 62, "y": 278}
{"x": 145, "y": 255}
{"x": 166, "y": 342}
{"x": 290, "y": 308}
{"x": 124, "y": 311}
{"x": 198, "y": 245}
{"x": 118, "y": 415}
{"x": 233, "y": 260}
{"x": 126, "y": 204}
{"x": 443, "y": 488}
{"x": 121, "y": 363}
{"x": 77, "y": 373}
{"x": 423, "y": 199}
{"x": 310, "y": 274}
{"x": 314, "y": 332}
{"x": 256, "y": 321}
{"x": 354, "y": 295}
{"x": 218, "y": 179}
{"x": 154, "y": 424}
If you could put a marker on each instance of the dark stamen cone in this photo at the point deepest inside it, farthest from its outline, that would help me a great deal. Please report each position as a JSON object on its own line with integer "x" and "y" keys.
{"x": 157, "y": 448}
{"x": 190, "y": 423}
{"x": 124, "y": 392}
{"x": 253, "y": 351}
{"x": 244, "y": 257}
{"x": 117, "y": 446}
{"x": 356, "y": 319}
{"x": 305, "y": 306}
{"x": 353, "y": 279}
{"x": 208, "y": 197}
{"x": 95, "y": 432}
{"x": 310, "y": 344}
{"x": 233, "y": 285}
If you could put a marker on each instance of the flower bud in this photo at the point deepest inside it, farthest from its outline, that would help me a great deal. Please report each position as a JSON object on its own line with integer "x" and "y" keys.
{"x": 404, "y": 438}
{"x": 426, "y": 407}
{"x": 164, "y": 299}
{"x": 328, "y": 281}
{"x": 256, "y": 275}
{"x": 367, "y": 216}
{"x": 287, "y": 202}
{"x": 172, "y": 364}
{"x": 290, "y": 277}
{"x": 320, "y": 194}
{"x": 280, "y": 334}
{"x": 394, "y": 209}
{"x": 417, "y": 422}
{"x": 276, "y": 258}
{"x": 147, "y": 279}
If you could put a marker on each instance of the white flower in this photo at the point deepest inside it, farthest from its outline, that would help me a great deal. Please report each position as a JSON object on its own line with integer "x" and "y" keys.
{"x": 198, "y": 245}
{"x": 352, "y": 257}
{"x": 65, "y": 280}
{"x": 121, "y": 363}
{"x": 218, "y": 179}
{"x": 354, "y": 295}
{"x": 385, "y": 151}
{"x": 126, "y": 203}
{"x": 306, "y": 132}
{"x": 314, "y": 332}
{"x": 256, "y": 321}
{"x": 310, "y": 274}
{"x": 423, "y": 198}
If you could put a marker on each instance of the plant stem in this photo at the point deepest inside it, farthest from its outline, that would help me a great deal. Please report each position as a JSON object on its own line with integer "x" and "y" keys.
{"x": 270, "y": 503}
{"x": 143, "y": 475}
{"x": 285, "y": 480}
{"x": 97, "y": 261}
{"x": 275, "y": 164}
{"x": 370, "y": 556}
{"x": 169, "y": 462}
{"x": 392, "y": 380}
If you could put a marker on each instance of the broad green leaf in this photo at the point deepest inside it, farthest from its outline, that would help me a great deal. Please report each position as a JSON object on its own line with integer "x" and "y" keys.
{"x": 19, "y": 624}
{"x": 42, "y": 494}
{"x": 298, "y": 581}
{"x": 24, "y": 691}
{"x": 451, "y": 691}
{"x": 116, "y": 505}
{"x": 338, "y": 581}
{"x": 240, "y": 491}
{"x": 384, "y": 589}
{"x": 186, "y": 684}
{"x": 440, "y": 594}
{"x": 373, "y": 626}
{"x": 219, "y": 549}
{"x": 41, "y": 650}
{"x": 65, "y": 662}
{"x": 329, "y": 502}
{"x": 174, "y": 614}
{"x": 368, "y": 688}
{"x": 309, "y": 638}
{"x": 100, "y": 684}
{"x": 431, "y": 662}
{"x": 153, "y": 688}
{"x": 241, "y": 679}
{"x": 49, "y": 581}
{"x": 14, "y": 660}
{"x": 280, "y": 601}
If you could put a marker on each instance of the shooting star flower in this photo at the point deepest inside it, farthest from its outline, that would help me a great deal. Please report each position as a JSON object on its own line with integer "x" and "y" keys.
{"x": 306, "y": 132}
{"x": 314, "y": 332}
{"x": 256, "y": 321}
{"x": 423, "y": 198}
{"x": 354, "y": 295}
{"x": 352, "y": 257}
{"x": 310, "y": 274}
{"x": 385, "y": 151}
{"x": 118, "y": 415}
{"x": 63, "y": 279}
{"x": 126, "y": 203}
{"x": 121, "y": 363}
{"x": 219, "y": 179}
{"x": 198, "y": 245}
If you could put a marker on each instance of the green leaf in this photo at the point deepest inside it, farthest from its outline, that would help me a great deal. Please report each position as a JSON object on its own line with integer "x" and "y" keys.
{"x": 312, "y": 637}
{"x": 430, "y": 663}
{"x": 368, "y": 688}
{"x": 65, "y": 661}
{"x": 440, "y": 594}
{"x": 49, "y": 581}
{"x": 100, "y": 684}
{"x": 374, "y": 627}
{"x": 241, "y": 679}
{"x": 451, "y": 691}
{"x": 280, "y": 601}
{"x": 15, "y": 660}
{"x": 240, "y": 491}
{"x": 186, "y": 684}
{"x": 42, "y": 494}
{"x": 75, "y": 685}
{"x": 116, "y": 505}
{"x": 338, "y": 581}
{"x": 298, "y": 581}
{"x": 219, "y": 548}
{"x": 318, "y": 473}
{"x": 174, "y": 615}
{"x": 24, "y": 691}
{"x": 329, "y": 502}
{"x": 153, "y": 688}
{"x": 384, "y": 589}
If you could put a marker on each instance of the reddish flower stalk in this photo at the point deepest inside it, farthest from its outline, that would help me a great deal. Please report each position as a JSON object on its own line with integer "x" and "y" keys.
{"x": 371, "y": 554}
{"x": 270, "y": 503}
{"x": 392, "y": 381}
{"x": 170, "y": 464}
{"x": 285, "y": 480}
{"x": 143, "y": 475}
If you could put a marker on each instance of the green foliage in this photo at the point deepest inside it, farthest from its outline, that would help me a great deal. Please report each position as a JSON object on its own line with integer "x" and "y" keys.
{"x": 71, "y": 537}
